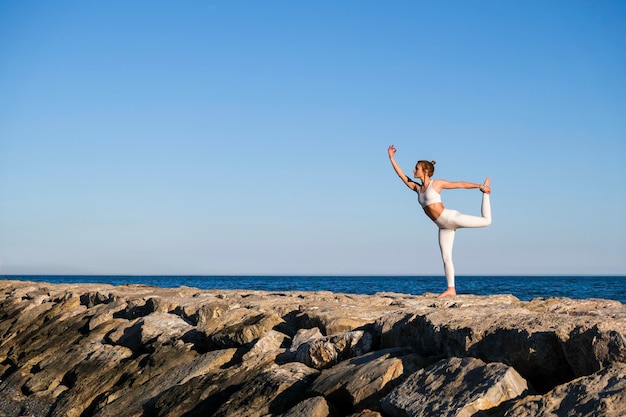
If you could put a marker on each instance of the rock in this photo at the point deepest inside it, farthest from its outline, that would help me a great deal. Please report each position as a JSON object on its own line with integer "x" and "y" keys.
{"x": 268, "y": 344}
{"x": 310, "y": 407}
{"x": 590, "y": 347}
{"x": 104, "y": 313}
{"x": 366, "y": 413}
{"x": 153, "y": 328}
{"x": 458, "y": 387}
{"x": 169, "y": 367}
{"x": 361, "y": 382}
{"x": 274, "y": 391}
{"x": 533, "y": 343}
{"x": 93, "y": 298}
{"x": 100, "y": 350}
{"x": 241, "y": 327}
{"x": 303, "y": 336}
{"x": 327, "y": 351}
{"x": 600, "y": 394}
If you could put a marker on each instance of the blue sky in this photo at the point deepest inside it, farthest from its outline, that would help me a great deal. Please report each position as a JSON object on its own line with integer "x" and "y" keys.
{"x": 215, "y": 137}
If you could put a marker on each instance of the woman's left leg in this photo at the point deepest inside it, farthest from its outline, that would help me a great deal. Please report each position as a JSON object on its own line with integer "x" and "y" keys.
{"x": 446, "y": 243}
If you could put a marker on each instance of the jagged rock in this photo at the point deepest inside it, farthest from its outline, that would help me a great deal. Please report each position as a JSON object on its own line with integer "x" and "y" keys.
{"x": 104, "y": 313}
{"x": 361, "y": 382}
{"x": 303, "y": 336}
{"x": 310, "y": 407}
{"x": 336, "y": 313}
{"x": 93, "y": 298}
{"x": 89, "y": 379}
{"x": 459, "y": 387}
{"x": 270, "y": 343}
{"x": 327, "y": 351}
{"x": 133, "y": 350}
{"x": 600, "y": 394}
{"x": 271, "y": 392}
{"x": 591, "y": 346}
{"x": 366, "y": 413}
{"x": 166, "y": 368}
{"x": 160, "y": 327}
{"x": 536, "y": 345}
{"x": 204, "y": 394}
{"x": 240, "y": 327}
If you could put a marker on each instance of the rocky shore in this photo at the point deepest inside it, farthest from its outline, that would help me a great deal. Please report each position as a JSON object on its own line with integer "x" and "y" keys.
{"x": 100, "y": 350}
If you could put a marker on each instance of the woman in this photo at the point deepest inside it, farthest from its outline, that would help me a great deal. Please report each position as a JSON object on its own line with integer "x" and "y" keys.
{"x": 429, "y": 197}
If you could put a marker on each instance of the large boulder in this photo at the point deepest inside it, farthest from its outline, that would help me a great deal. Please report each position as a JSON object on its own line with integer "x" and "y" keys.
{"x": 458, "y": 387}
{"x": 601, "y": 394}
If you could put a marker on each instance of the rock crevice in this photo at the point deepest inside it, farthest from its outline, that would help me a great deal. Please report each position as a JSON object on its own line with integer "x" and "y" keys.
{"x": 99, "y": 350}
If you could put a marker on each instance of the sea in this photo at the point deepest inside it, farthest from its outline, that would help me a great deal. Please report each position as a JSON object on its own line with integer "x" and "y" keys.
{"x": 523, "y": 287}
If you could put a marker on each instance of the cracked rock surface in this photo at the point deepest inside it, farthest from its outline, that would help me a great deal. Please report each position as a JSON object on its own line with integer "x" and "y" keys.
{"x": 81, "y": 350}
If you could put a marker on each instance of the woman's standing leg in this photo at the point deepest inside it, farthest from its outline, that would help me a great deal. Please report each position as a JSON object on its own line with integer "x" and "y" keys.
{"x": 446, "y": 243}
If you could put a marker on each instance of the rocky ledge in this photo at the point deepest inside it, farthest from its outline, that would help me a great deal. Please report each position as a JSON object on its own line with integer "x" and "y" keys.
{"x": 101, "y": 350}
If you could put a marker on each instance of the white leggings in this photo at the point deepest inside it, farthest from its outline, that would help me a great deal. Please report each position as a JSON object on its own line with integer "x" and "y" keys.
{"x": 448, "y": 222}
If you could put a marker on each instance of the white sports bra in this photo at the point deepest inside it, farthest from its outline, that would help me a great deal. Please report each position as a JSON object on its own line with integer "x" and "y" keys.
{"x": 428, "y": 197}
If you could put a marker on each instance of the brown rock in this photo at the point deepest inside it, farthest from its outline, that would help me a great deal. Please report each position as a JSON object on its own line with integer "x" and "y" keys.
{"x": 327, "y": 351}
{"x": 134, "y": 350}
{"x": 274, "y": 391}
{"x": 601, "y": 394}
{"x": 150, "y": 329}
{"x": 458, "y": 387}
{"x": 310, "y": 407}
{"x": 361, "y": 382}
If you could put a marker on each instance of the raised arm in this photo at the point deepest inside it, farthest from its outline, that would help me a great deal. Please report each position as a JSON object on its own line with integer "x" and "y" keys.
{"x": 406, "y": 180}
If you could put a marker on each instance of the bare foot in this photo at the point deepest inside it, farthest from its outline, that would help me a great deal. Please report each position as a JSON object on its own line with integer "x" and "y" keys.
{"x": 450, "y": 292}
{"x": 486, "y": 188}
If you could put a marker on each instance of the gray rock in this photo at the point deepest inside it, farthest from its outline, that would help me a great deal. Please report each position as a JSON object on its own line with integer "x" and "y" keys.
{"x": 157, "y": 376}
{"x": 459, "y": 387}
{"x": 590, "y": 347}
{"x": 600, "y": 394}
{"x": 274, "y": 391}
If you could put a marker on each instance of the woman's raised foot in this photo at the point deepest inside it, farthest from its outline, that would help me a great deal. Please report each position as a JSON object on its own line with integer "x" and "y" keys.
{"x": 486, "y": 187}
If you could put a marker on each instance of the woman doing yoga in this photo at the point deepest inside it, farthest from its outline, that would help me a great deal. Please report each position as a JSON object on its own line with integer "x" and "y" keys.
{"x": 429, "y": 196}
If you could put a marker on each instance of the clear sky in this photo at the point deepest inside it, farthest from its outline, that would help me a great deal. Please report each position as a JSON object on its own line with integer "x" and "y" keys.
{"x": 250, "y": 137}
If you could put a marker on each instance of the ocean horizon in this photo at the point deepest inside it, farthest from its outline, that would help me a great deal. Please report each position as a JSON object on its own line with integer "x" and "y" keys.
{"x": 524, "y": 287}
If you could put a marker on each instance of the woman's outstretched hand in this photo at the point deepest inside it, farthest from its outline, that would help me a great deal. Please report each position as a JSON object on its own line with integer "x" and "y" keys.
{"x": 391, "y": 151}
{"x": 486, "y": 186}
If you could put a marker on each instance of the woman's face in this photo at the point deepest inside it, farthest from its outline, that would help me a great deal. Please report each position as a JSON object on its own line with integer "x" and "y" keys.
{"x": 418, "y": 172}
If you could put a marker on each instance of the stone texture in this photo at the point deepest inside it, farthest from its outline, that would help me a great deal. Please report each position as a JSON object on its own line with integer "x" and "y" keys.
{"x": 459, "y": 387}
{"x": 274, "y": 391}
{"x": 326, "y": 351}
{"x": 361, "y": 382}
{"x": 600, "y": 394}
{"x": 133, "y": 350}
{"x": 310, "y": 407}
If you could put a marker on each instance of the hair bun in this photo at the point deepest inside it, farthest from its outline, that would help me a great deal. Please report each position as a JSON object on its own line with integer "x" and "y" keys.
{"x": 433, "y": 162}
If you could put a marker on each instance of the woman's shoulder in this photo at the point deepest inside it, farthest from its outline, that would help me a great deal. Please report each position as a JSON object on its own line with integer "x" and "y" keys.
{"x": 439, "y": 184}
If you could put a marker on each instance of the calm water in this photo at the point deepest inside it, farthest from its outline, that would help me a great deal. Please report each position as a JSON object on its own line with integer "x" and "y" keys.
{"x": 523, "y": 287}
